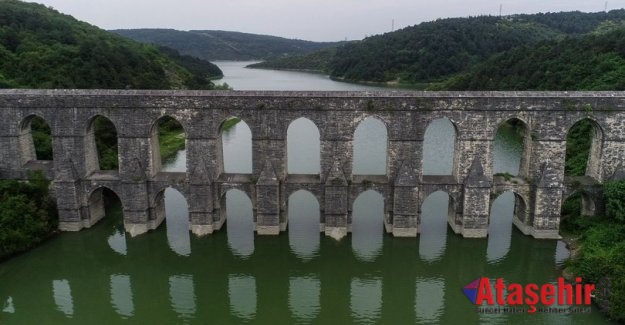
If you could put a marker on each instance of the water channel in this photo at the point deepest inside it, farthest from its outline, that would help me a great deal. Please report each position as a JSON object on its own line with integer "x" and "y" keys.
{"x": 102, "y": 276}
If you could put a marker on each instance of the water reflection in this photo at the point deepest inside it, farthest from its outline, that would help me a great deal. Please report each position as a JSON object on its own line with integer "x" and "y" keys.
{"x": 8, "y": 306}
{"x": 63, "y": 297}
{"x": 429, "y": 302}
{"x": 304, "y": 293}
{"x": 121, "y": 295}
{"x": 304, "y": 219}
{"x": 370, "y": 142}
{"x": 366, "y": 299}
{"x": 500, "y": 227}
{"x": 237, "y": 149}
{"x": 117, "y": 240}
{"x": 438, "y": 147}
{"x": 182, "y": 295}
{"x": 562, "y": 253}
{"x": 433, "y": 234}
{"x": 303, "y": 147}
{"x": 177, "y": 221}
{"x": 368, "y": 225}
{"x": 240, "y": 223}
{"x": 242, "y": 294}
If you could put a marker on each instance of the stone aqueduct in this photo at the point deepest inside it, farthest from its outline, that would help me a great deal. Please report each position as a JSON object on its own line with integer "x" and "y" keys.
{"x": 540, "y": 187}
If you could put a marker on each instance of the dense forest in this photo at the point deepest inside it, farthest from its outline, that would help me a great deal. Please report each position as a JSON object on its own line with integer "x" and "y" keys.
{"x": 27, "y": 214}
{"x": 448, "y": 53}
{"x": 592, "y": 62}
{"x": 223, "y": 45}
{"x": 42, "y": 48}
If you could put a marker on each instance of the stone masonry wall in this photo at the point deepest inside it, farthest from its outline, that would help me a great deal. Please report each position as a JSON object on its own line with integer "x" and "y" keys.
{"x": 476, "y": 117}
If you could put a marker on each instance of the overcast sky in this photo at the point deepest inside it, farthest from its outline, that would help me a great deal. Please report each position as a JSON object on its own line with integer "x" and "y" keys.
{"x": 317, "y": 20}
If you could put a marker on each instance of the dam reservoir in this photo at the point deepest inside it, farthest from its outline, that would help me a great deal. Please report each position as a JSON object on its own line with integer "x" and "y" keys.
{"x": 102, "y": 275}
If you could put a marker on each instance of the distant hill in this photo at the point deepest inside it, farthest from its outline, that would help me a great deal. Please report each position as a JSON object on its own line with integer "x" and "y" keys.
{"x": 223, "y": 45}
{"x": 42, "y": 48}
{"x": 593, "y": 62}
{"x": 430, "y": 53}
{"x": 318, "y": 61}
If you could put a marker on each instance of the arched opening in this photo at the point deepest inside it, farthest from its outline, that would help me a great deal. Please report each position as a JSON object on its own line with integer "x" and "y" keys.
{"x": 35, "y": 139}
{"x": 101, "y": 145}
{"x": 370, "y": 147}
{"x": 583, "y": 149}
{"x": 504, "y": 209}
{"x": 167, "y": 143}
{"x": 577, "y": 206}
{"x": 236, "y": 142}
{"x": 104, "y": 202}
{"x": 436, "y": 209}
{"x": 303, "y": 147}
{"x": 368, "y": 225}
{"x": 239, "y": 218}
{"x": 172, "y": 205}
{"x": 439, "y": 143}
{"x": 304, "y": 219}
{"x": 511, "y": 148}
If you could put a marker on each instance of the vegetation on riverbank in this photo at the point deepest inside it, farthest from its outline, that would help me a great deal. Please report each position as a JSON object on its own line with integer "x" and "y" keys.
{"x": 42, "y": 48}
{"x": 601, "y": 243}
{"x": 552, "y": 51}
{"x": 27, "y": 214}
{"x": 171, "y": 138}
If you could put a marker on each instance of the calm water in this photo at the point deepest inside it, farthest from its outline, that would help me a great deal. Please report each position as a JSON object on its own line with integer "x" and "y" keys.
{"x": 102, "y": 276}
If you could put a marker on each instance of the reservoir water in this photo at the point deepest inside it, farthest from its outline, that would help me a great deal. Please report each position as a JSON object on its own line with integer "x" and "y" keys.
{"x": 167, "y": 276}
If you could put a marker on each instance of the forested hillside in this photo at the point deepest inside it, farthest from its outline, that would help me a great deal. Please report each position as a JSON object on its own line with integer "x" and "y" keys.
{"x": 42, "y": 48}
{"x": 592, "y": 62}
{"x": 223, "y": 45}
{"x": 430, "y": 53}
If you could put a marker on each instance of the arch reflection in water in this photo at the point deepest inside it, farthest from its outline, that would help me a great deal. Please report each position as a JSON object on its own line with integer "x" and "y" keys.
{"x": 370, "y": 143}
{"x": 562, "y": 253}
{"x": 429, "y": 302}
{"x": 182, "y": 295}
{"x": 366, "y": 299}
{"x": 237, "y": 148}
{"x": 438, "y": 147}
{"x": 8, "y": 306}
{"x": 240, "y": 222}
{"x": 304, "y": 218}
{"x": 242, "y": 294}
{"x": 304, "y": 293}
{"x": 500, "y": 227}
{"x": 121, "y": 295}
{"x": 303, "y": 147}
{"x": 117, "y": 241}
{"x": 63, "y": 297}
{"x": 433, "y": 235}
{"x": 368, "y": 225}
{"x": 176, "y": 220}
